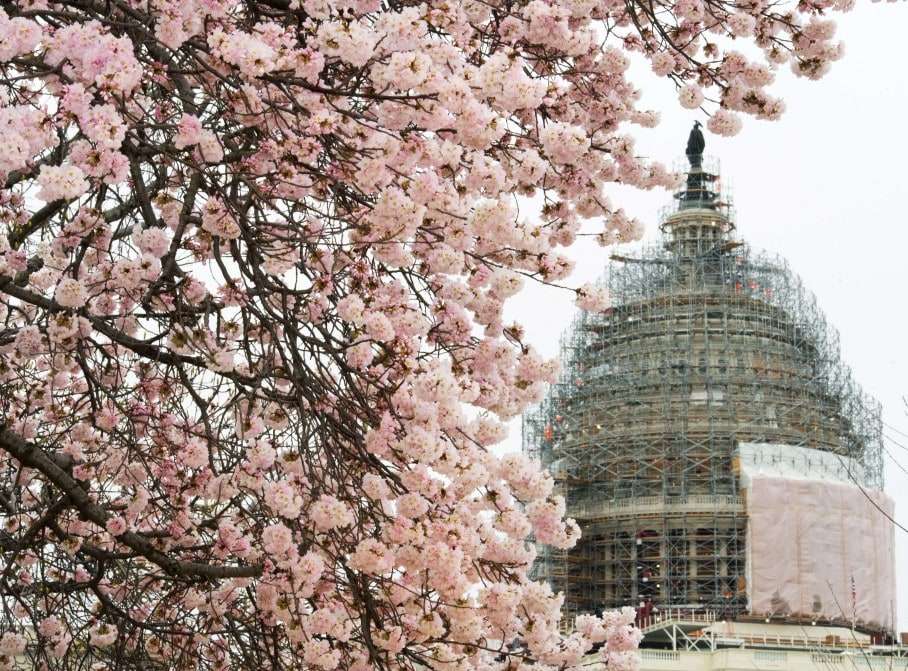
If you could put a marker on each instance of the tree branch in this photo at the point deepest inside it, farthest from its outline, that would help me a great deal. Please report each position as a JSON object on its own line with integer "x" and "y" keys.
{"x": 34, "y": 457}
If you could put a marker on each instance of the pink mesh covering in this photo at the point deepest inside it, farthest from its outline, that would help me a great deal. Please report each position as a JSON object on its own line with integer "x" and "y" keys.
{"x": 807, "y": 539}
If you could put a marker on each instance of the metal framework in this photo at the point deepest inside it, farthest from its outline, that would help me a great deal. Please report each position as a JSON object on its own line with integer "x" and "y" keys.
{"x": 709, "y": 344}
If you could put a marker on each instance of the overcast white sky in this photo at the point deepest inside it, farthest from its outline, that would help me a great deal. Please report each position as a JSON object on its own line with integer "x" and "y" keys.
{"x": 823, "y": 187}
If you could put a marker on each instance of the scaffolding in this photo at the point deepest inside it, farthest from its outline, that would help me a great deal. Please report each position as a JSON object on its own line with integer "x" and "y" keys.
{"x": 709, "y": 344}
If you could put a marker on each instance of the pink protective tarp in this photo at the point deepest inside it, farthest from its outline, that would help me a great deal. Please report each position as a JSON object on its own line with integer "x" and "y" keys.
{"x": 820, "y": 549}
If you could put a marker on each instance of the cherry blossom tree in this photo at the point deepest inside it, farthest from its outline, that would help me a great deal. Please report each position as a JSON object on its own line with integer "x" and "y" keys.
{"x": 253, "y": 259}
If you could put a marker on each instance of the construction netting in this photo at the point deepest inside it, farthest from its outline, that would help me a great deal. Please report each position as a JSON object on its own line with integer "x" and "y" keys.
{"x": 820, "y": 545}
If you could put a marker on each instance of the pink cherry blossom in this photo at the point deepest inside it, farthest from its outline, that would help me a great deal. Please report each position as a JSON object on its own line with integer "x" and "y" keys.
{"x": 741, "y": 25}
{"x": 663, "y": 63}
{"x": 283, "y": 499}
{"x": 254, "y": 277}
{"x": 218, "y": 221}
{"x": 564, "y": 143}
{"x": 71, "y": 293}
{"x": 372, "y": 556}
{"x": 115, "y": 526}
{"x": 92, "y": 55}
{"x": 189, "y": 131}
{"x": 194, "y": 454}
{"x": 592, "y": 298}
{"x": 690, "y": 96}
{"x": 723, "y": 122}
{"x": 276, "y": 539}
{"x": 153, "y": 241}
{"x": 102, "y": 635}
{"x": 329, "y": 513}
{"x": 12, "y": 644}
{"x": 61, "y": 183}
{"x": 210, "y": 147}
{"x": 18, "y": 36}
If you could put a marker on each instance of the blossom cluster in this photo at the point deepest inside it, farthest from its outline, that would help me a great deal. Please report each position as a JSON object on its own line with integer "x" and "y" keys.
{"x": 255, "y": 266}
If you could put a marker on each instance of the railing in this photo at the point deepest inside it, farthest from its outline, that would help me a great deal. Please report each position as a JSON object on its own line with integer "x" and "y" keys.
{"x": 820, "y": 658}
{"x": 661, "y": 655}
{"x": 652, "y": 504}
{"x": 771, "y": 656}
{"x": 885, "y": 662}
{"x": 769, "y": 659}
{"x": 803, "y": 641}
{"x": 684, "y": 615}
{"x": 675, "y": 615}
